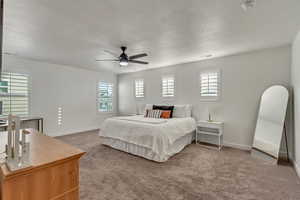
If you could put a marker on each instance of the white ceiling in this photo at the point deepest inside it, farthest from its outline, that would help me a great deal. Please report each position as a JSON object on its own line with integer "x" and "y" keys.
{"x": 75, "y": 32}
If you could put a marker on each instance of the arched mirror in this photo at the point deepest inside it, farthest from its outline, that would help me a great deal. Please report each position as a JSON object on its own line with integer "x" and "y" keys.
{"x": 270, "y": 121}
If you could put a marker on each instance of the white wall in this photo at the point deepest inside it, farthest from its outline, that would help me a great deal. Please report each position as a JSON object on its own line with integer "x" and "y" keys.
{"x": 71, "y": 88}
{"x": 244, "y": 78}
{"x": 296, "y": 87}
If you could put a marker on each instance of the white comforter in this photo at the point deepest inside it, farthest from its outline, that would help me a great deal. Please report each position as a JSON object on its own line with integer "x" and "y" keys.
{"x": 155, "y": 134}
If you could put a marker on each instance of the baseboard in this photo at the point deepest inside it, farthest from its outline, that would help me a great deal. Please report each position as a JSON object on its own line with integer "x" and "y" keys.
{"x": 238, "y": 146}
{"x": 72, "y": 132}
{"x": 283, "y": 154}
{"x": 297, "y": 168}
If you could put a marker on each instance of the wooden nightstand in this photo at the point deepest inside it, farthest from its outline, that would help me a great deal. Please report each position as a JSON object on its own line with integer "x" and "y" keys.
{"x": 213, "y": 128}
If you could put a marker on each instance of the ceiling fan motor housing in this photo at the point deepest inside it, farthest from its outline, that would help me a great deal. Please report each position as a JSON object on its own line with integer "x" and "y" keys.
{"x": 123, "y": 48}
{"x": 123, "y": 56}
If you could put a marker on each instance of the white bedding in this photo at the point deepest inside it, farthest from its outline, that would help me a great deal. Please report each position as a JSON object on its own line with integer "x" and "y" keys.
{"x": 157, "y": 135}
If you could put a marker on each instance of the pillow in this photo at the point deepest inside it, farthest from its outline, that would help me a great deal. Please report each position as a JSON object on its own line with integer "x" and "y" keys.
{"x": 153, "y": 113}
{"x": 171, "y": 108}
{"x": 140, "y": 109}
{"x": 181, "y": 111}
{"x": 166, "y": 114}
{"x": 146, "y": 113}
{"x": 147, "y": 107}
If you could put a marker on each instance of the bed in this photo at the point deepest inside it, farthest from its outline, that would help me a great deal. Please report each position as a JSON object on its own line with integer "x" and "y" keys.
{"x": 151, "y": 138}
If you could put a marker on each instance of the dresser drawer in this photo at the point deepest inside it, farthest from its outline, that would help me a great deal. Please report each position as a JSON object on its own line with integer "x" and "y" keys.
{"x": 43, "y": 184}
{"x": 64, "y": 178}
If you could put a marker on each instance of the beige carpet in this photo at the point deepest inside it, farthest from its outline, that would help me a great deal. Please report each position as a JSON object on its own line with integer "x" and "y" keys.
{"x": 196, "y": 173}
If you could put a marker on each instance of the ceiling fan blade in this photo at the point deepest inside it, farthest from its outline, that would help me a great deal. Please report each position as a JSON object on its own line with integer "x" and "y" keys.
{"x": 108, "y": 60}
{"x": 138, "y": 62}
{"x": 111, "y": 53}
{"x": 138, "y": 56}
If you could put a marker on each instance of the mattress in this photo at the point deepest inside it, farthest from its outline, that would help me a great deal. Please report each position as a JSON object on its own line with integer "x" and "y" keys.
{"x": 155, "y": 139}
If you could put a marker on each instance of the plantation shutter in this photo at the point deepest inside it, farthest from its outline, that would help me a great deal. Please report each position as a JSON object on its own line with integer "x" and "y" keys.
{"x": 139, "y": 88}
{"x": 168, "y": 86}
{"x": 14, "y": 94}
{"x": 105, "y": 97}
{"x": 209, "y": 84}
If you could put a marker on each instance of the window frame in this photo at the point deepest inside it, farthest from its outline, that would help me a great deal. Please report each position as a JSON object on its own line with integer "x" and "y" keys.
{"x": 219, "y": 85}
{"x": 139, "y": 97}
{"x": 98, "y": 97}
{"x": 162, "y": 88}
{"x": 29, "y": 88}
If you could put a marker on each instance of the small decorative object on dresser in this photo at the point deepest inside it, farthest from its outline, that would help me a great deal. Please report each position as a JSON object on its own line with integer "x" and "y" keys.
{"x": 17, "y": 149}
{"x": 212, "y": 128}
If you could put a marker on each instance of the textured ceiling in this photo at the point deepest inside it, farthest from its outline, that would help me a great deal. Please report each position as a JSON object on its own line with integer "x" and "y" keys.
{"x": 75, "y": 32}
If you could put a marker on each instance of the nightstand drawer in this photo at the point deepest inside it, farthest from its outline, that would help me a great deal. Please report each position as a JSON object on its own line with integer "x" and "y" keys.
{"x": 208, "y": 131}
{"x": 208, "y": 128}
{"x": 213, "y": 125}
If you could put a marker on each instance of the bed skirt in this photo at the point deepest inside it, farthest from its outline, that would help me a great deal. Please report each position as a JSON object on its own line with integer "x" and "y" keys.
{"x": 147, "y": 153}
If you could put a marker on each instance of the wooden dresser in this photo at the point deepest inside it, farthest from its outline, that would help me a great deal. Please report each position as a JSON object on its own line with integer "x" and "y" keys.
{"x": 53, "y": 175}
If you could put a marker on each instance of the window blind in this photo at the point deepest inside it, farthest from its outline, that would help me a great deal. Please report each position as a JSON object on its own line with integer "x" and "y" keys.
{"x": 209, "y": 84}
{"x": 14, "y": 94}
{"x": 105, "y": 97}
{"x": 139, "y": 88}
{"x": 168, "y": 86}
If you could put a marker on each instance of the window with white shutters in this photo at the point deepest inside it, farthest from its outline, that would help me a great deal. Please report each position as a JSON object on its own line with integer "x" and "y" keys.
{"x": 139, "y": 88}
{"x": 210, "y": 85}
{"x": 168, "y": 86}
{"x": 14, "y": 94}
{"x": 105, "y": 97}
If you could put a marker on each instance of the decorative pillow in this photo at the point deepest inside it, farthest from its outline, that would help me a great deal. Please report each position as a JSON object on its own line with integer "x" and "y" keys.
{"x": 146, "y": 112}
{"x": 153, "y": 113}
{"x": 166, "y": 114}
{"x": 171, "y": 108}
{"x": 147, "y": 107}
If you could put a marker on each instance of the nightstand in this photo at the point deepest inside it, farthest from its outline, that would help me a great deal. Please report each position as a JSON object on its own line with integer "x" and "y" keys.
{"x": 213, "y": 128}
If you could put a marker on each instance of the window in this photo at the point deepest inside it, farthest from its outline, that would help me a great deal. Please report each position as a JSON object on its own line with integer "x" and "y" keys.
{"x": 14, "y": 94}
{"x": 168, "y": 86}
{"x": 139, "y": 88}
{"x": 105, "y": 97}
{"x": 210, "y": 85}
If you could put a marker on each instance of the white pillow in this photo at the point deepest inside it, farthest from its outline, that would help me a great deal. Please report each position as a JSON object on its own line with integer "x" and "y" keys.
{"x": 181, "y": 111}
{"x": 140, "y": 108}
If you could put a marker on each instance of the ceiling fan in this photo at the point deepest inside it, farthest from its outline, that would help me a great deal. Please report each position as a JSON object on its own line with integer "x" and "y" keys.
{"x": 124, "y": 59}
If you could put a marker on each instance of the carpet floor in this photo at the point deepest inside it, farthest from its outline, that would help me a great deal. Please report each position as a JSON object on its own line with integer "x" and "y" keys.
{"x": 196, "y": 173}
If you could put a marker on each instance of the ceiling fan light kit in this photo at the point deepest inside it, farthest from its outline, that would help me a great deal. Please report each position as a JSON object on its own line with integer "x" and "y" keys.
{"x": 123, "y": 62}
{"x": 124, "y": 59}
